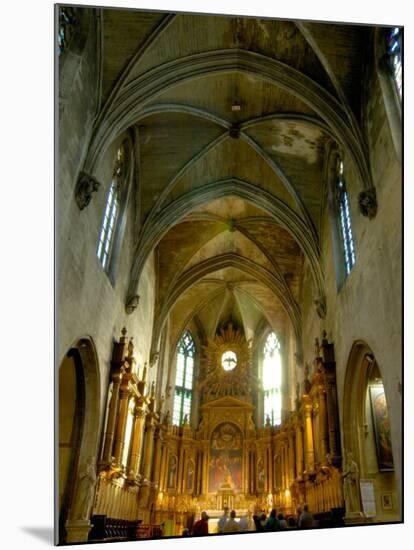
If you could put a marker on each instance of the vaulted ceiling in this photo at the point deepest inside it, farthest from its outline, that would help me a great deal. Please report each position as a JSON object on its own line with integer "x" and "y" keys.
{"x": 233, "y": 117}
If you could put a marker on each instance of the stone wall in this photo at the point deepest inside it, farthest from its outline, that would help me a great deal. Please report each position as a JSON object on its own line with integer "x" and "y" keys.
{"x": 368, "y": 305}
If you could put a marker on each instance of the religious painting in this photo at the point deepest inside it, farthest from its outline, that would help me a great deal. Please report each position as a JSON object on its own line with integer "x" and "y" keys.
{"x": 190, "y": 476}
{"x": 382, "y": 429}
{"x": 225, "y": 467}
{"x": 172, "y": 469}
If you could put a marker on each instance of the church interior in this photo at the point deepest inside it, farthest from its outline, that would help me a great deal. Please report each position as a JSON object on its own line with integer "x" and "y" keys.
{"x": 228, "y": 271}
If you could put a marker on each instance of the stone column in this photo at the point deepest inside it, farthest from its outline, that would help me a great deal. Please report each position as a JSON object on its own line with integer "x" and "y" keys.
{"x": 134, "y": 463}
{"x": 116, "y": 379}
{"x": 309, "y": 454}
{"x": 121, "y": 422}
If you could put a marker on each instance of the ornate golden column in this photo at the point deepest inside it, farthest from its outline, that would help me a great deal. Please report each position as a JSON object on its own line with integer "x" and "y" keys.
{"x": 299, "y": 451}
{"x": 116, "y": 378}
{"x": 119, "y": 443}
{"x": 157, "y": 456}
{"x": 292, "y": 474}
{"x": 134, "y": 463}
{"x": 149, "y": 443}
{"x": 205, "y": 470}
{"x": 323, "y": 425}
{"x": 309, "y": 454}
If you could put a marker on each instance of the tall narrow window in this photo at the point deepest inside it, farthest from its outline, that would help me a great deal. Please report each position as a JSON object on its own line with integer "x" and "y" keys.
{"x": 394, "y": 56}
{"x": 184, "y": 379}
{"x": 111, "y": 213}
{"x": 345, "y": 219}
{"x": 272, "y": 380}
{"x": 67, "y": 27}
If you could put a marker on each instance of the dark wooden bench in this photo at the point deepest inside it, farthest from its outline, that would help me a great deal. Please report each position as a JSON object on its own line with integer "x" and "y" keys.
{"x": 113, "y": 529}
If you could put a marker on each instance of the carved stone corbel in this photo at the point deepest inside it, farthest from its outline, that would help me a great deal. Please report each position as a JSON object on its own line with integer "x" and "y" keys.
{"x": 367, "y": 201}
{"x": 154, "y": 358}
{"x": 320, "y": 304}
{"x": 85, "y": 186}
{"x": 132, "y": 304}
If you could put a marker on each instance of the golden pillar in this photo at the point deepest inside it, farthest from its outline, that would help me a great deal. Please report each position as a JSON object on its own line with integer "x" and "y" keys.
{"x": 332, "y": 409}
{"x": 299, "y": 451}
{"x": 121, "y": 421}
{"x": 134, "y": 463}
{"x": 205, "y": 471}
{"x": 291, "y": 439}
{"x": 181, "y": 460}
{"x": 157, "y": 457}
{"x": 309, "y": 454}
{"x": 323, "y": 425}
{"x": 116, "y": 379}
{"x": 149, "y": 442}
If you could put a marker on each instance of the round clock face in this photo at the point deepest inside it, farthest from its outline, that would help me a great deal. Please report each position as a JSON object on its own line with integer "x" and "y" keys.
{"x": 229, "y": 360}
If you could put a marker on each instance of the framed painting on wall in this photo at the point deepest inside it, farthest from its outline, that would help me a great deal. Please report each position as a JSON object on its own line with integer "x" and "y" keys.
{"x": 382, "y": 428}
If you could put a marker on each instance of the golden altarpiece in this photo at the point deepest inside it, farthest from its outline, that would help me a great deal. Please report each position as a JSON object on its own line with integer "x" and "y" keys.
{"x": 159, "y": 473}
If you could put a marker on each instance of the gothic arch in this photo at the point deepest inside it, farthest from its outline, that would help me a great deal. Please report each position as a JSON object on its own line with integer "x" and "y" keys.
{"x": 195, "y": 273}
{"x": 145, "y": 88}
{"x": 179, "y": 208}
{"x": 359, "y": 431}
{"x": 82, "y": 355}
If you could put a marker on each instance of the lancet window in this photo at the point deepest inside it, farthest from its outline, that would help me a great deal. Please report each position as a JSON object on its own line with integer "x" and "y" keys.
{"x": 272, "y": 380}
{"x": 184, "y": 379}
{"x": 344, "y": 213}
{"x": 394, "y": 39}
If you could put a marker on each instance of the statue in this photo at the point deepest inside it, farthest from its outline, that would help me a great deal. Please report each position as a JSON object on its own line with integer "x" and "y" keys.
{"x": 350, "y": 478}
{"x": 87, "y": 481}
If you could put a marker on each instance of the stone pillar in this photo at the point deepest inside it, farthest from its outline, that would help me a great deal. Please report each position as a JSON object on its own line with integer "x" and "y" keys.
{"x": 77, "y": 530}
{"x": 121, "y": 422}
{"x": 309, "y": 454}
{"x": 116, "y": 379}
{"x": 134, "y": 463}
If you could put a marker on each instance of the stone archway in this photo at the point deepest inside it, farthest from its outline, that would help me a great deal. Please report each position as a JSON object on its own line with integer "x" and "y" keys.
{"x": 77, "y": 419}
{"x": 367, "y": 431}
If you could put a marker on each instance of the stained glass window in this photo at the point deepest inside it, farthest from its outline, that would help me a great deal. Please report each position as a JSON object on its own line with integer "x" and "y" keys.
{"x": 229, "y": 360}
{"x": 345, "y": 219}
{"x": 272, "y": 380}
{"x": 67, "y": 26}
{"x": 183, "y": 379}
{"x": 111, "y": 213}
{"x": 394, "y": 39}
